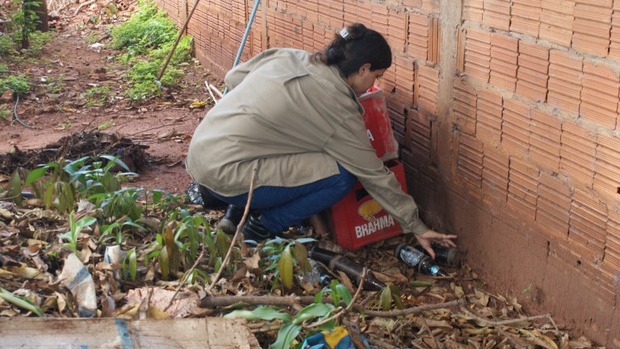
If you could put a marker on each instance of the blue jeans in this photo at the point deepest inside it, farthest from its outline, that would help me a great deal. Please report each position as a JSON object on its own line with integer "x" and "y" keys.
{"x": 283, "y": 207}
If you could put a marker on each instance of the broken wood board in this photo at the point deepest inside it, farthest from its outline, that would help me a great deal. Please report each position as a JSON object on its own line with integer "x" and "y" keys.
{"x": 211, "y": 333}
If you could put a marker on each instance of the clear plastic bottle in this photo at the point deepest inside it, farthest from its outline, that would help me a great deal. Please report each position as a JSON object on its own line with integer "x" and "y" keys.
{"x": 417, "y": 259}
{"x": 317, "y": 275}
{"x": 341, "y": 263}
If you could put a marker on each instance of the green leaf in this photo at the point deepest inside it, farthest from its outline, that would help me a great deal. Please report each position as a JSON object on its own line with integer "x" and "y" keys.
{"x": 35, "y": 175}
{"x": 20, "y": 302}
{"x": 260, "y": 313}
{"x": 15, "y": 188}
{"x": 164, "y": 263}
{"x": 385, "y": 300}
{"x": 343, "y": 293}
{"x": 301, "y": 256}
{"x": 133, "y": 264}
{"x": 312, "y": 311}
{"x": 286, "y": 335}
{"x": 396, "y": 296}
{"x": 285, "y": 268}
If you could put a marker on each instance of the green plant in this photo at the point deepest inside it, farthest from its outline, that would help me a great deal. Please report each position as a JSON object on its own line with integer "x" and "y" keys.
{"x": 91, "y": 38}
{"x": 105, "y": 125}
{"x": 118, "y": 229}
{"x": 21, "y": 37}
{"x": 317, "y": 313}
{"x": 75, "y": 228}
{"x": 147, "y": 29}
{"x": 146, "y": 40}
{"x": 55, "y": 85}
{"x": 5, "y": 112}
{"x": 60, "y": 183}
{"x": 97, "y": 95}
{"x": 283, "y": 257}
{"x": 17, "y": 83}
{"x": 20, "y": 302}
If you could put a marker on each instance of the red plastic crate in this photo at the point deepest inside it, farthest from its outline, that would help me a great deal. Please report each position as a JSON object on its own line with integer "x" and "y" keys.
{"x": 378, "y": 124}
{"x": 358, "y": 219}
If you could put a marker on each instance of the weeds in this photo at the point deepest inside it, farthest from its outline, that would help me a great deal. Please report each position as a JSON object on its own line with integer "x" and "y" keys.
{"x": 55, "y": 84}
{"x": 146, "y": 39}
{"x": 17, "y": 83}
{"x": 5, "y": 112}
{"x": 97, "y": 96}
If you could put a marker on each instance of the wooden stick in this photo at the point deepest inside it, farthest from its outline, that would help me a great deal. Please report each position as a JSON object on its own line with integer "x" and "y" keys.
{"x": 246, "y": 212}
{"x": 221, "y": 301}
{"x": 504, "y": 322}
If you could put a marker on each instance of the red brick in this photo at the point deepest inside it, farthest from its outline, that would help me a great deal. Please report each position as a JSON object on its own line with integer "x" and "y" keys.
{"x": 556, "y": 21}
{"x": 565, "y": 74}
{"x": 525, "y": 15}
{"x": 464, "y": 105}
{"x": 489, "y": 117}
{"x": 522, "y": 187}
{"x": 496, "y": 14}
{"x": 428, "y": 84}
{"x": 419, "y": 134}
{"x": 494, "y": 177}
{"x": 531, "y": 84}
{"x": 469, "y": 162}
{"x": 549, "y": 215}
{"x": 503, "y": 62}
{"x": 478, "y": 54}
{"x": 599, "y": 96}
{"x": 418, "y": 35}
{"x": 473, "y": 10}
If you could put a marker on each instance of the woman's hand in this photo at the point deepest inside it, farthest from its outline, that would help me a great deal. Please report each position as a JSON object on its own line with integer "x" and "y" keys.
{"x": 426, "y": 238}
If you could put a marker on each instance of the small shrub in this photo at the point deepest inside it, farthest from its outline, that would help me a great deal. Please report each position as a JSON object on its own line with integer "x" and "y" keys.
{"x": 18, "y": 84}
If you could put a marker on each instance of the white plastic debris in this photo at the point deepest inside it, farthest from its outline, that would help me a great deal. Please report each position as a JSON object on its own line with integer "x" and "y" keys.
{"x": 76, "y": 277}
{"x": 96, "y": 46}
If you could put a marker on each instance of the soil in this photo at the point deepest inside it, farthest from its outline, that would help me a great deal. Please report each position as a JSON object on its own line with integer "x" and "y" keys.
{"x": 59, "y": 111}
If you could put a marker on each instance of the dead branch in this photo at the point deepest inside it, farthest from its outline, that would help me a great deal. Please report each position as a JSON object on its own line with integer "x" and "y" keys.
{"x": 246, "y": 212}
{"x": 504, "y": 322}
{"x": 222, "y": 301}
{"x": 187, "y": 273}
{"x": 77, "y": 10}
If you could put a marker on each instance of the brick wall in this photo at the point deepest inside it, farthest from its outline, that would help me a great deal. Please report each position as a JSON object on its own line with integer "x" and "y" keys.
{"x": 507, "y": 115}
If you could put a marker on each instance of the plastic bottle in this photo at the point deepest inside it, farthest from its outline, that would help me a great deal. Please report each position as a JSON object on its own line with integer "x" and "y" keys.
{"x": 317, "y": 276}
{"x": 417, "y": 259}
{"x": 341, "y": 263}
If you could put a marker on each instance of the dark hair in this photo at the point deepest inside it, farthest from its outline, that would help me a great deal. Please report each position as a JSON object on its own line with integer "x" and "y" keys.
{"x": 355, "y": 46}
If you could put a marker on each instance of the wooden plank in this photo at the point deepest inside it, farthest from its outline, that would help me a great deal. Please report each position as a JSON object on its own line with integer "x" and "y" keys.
{"x": 211, "y": 333}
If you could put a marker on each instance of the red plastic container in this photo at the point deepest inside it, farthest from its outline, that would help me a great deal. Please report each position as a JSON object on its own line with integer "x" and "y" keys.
{"x": 378, "y": 124}
{"x": 358, "y": 219}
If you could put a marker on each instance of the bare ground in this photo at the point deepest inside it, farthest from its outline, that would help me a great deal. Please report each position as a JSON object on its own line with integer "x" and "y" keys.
{"x": 60, "y": 105}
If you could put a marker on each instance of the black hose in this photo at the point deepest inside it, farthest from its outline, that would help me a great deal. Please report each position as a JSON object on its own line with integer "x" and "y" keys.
{"x": 16, "y": 116}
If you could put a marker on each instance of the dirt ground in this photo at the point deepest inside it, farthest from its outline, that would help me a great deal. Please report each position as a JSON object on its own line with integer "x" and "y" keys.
{"x": 59, "y": 105}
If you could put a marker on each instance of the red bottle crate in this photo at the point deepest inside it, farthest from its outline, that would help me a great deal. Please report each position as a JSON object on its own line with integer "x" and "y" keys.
{"x": 378, "y": 124}
{"x": 358, "y": 219}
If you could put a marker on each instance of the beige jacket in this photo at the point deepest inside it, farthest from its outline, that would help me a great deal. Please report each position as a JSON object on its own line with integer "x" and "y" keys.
{"x": 293, "y": 120}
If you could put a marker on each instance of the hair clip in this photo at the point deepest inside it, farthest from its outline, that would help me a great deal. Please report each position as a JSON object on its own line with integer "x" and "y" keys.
{"x": 344, "y": 33}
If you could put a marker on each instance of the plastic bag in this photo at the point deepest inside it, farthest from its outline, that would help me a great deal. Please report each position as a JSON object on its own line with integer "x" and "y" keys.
{"x": 378, "y": 124}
